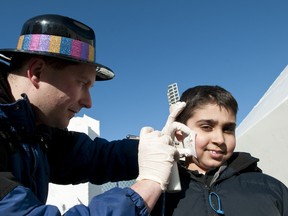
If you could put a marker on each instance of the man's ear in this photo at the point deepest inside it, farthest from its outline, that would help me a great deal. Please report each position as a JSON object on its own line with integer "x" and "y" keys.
{"x": 35, "y": 70}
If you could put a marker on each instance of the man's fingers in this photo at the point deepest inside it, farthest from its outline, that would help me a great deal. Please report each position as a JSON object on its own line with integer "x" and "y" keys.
{"x": 146, "y": 130}
{"x": 176, "y": 126}
{"x": 175, "y": 110}
{"x": 188, "y": 141}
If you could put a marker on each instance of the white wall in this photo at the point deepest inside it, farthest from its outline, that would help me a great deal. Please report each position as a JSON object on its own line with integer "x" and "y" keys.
{"x": 66, "y": 196}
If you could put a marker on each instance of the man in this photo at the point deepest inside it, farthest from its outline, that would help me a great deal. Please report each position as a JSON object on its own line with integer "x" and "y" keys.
{"x": 46, "y": 82}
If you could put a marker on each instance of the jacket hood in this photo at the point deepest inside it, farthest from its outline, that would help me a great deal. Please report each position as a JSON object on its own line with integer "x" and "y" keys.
{"x": 241, "y": 162}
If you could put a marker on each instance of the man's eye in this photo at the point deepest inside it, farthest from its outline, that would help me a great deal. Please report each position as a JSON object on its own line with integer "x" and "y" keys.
{"x": 83, "y": 83}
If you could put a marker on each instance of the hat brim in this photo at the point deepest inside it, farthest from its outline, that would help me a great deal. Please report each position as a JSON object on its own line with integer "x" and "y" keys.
{"x": 103, "y": 72}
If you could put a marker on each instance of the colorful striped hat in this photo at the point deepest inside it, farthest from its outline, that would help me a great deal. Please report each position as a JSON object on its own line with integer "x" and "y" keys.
{"x": 61, "y": 37}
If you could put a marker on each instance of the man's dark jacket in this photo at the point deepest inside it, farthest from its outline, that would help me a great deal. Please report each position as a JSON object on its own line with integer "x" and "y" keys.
{"x": 32, "y": 155}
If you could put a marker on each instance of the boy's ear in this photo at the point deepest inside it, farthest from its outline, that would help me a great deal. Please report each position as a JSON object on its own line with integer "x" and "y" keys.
{"x": 179, "y": 136}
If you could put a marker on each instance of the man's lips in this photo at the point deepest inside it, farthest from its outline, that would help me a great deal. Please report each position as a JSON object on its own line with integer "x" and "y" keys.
{"x": 73, "y": 111}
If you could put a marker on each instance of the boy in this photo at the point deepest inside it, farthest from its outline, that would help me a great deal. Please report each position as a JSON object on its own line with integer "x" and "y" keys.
{"x": 220, "y": 181}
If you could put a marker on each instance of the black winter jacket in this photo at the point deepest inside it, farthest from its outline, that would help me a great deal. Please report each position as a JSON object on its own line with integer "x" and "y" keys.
{"x": 241, "y": 187}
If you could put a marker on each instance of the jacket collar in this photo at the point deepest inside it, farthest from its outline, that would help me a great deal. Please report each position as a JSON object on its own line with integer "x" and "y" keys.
{"x": 239, "y": 162}
{"x": 19, "y": 115}
{"x": 5, "y": 91}
{"x": 242, "y": 162}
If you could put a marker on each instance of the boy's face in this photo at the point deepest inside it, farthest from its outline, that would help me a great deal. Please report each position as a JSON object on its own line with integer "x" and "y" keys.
{"x": 63, "y": 93}
{"x": 215, "y": 136}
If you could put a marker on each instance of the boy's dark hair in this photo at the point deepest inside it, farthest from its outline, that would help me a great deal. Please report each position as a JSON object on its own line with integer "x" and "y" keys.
{"x": 199, "y": 96}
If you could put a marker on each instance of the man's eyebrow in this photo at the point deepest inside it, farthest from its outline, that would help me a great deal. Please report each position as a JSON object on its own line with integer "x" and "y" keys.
{"x": 86, "y": 79}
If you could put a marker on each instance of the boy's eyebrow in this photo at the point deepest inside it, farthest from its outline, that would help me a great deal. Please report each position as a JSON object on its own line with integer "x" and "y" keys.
{"x": 231, "y": 124}
{"x": 207, "y": 121}
{"x": 213, "y": 122}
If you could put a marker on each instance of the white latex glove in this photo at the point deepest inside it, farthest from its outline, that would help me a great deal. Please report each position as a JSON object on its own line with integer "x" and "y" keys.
{"x": 155, "y": 156}
{"x": 187, "y": 146}
{"x": 175, "y": 110}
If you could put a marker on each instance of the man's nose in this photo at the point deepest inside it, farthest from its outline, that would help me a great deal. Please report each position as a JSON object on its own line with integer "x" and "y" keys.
{"x": 86, "y": 100}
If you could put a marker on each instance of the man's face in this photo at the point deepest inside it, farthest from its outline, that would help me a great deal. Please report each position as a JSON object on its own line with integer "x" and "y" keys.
{"x": 62, "y": 93}
{"x": 215, "y": 139}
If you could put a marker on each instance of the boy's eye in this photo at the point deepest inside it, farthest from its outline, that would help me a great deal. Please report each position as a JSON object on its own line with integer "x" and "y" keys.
{"x": 230, "y": 129}
{"x": 206, "y": 127}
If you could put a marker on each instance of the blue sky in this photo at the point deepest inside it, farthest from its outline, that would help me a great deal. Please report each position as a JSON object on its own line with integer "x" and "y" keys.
{"x": 240, "y": 45}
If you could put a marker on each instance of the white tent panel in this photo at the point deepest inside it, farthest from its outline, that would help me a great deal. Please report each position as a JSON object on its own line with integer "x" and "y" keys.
{"x": 264, "y": 132}
{"x": 268, "y": 141}
{"x": 275, "y": 95}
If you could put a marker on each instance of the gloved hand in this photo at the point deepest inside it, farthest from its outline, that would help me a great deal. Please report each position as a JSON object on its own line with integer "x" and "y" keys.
{"x": 187, "y": 146}
{"x": 155, "y": 156}
{"x": 175, "y": 110}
